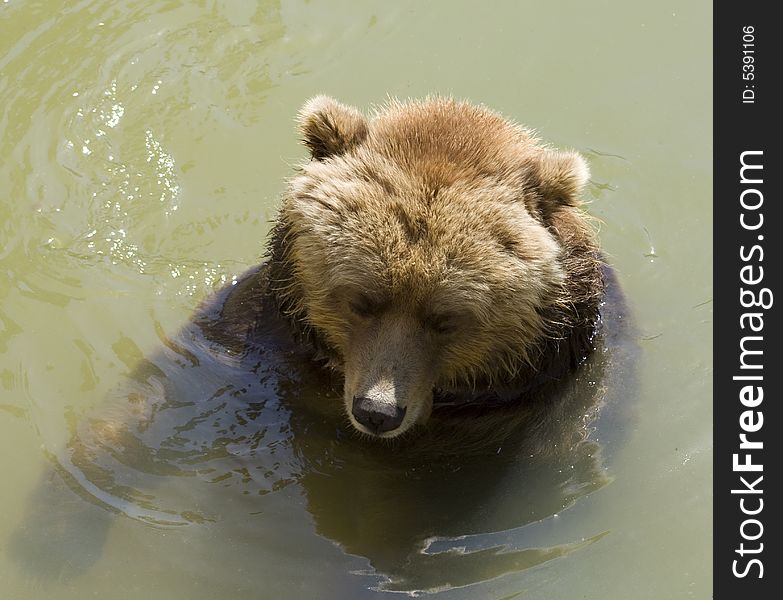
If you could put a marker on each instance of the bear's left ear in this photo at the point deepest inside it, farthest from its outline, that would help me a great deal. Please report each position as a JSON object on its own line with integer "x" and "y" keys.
{"x": 329, "y": 127}
{"x": 561, "y": 176}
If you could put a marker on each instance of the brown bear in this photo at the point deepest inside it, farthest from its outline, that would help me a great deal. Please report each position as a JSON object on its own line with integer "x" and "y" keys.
{"x": 435, "y": 254}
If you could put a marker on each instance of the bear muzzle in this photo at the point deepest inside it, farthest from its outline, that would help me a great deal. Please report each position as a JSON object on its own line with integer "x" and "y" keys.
{"x": 388, "y": 376}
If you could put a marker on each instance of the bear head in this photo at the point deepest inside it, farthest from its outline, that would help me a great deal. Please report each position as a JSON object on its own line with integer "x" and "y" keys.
{"x": 435, "y": 245}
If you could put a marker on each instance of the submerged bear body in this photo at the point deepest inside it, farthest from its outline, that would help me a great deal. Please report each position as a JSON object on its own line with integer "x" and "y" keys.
{"x": 545, "y": 411}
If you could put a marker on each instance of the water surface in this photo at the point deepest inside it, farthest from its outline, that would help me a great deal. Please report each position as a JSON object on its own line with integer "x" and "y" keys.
{"x": 143, "y": 146}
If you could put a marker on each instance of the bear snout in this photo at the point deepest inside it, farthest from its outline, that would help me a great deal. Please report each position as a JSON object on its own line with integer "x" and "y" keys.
{"x": 377, "y": 417}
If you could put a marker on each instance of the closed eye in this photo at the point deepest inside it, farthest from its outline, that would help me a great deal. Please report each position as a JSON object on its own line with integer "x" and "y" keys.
{"x": 443, "y": 324}
{"x": 363, "y": 306}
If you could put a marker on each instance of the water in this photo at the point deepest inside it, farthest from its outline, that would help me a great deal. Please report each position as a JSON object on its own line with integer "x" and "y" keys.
{"x": 143, "y": 147}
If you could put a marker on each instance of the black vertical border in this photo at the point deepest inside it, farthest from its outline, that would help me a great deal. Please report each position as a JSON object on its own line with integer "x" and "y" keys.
{"x": 739, "y": 127}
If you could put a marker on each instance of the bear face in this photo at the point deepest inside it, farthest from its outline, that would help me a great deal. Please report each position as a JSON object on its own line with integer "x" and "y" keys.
{"x": 436, "y": 246}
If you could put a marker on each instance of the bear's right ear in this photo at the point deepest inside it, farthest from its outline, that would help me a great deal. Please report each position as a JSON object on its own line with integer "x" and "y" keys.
{"x": 329, "y": 127}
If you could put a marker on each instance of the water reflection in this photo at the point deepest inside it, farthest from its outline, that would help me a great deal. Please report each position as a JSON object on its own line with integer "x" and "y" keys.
{"x": 232, "y": 408}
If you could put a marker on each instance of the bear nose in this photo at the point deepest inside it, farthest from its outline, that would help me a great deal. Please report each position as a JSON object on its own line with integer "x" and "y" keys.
{"x": 378, "y": 418}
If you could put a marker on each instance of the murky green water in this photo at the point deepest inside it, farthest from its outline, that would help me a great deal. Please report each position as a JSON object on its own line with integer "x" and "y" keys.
{"x": 142, "y": 149}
